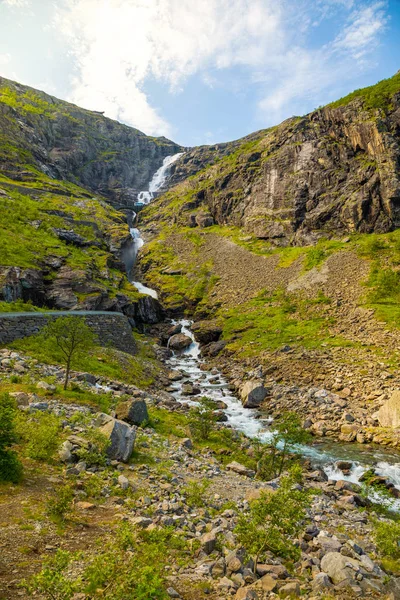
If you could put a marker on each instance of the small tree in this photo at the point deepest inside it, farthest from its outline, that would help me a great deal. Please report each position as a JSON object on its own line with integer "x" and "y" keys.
{"x": 202, "y": 419}
{"x": 10, "y": 466}
{"x": 71, "y": 337}
{"x": 274, "y": 519}
{"x": 273, "y": 457}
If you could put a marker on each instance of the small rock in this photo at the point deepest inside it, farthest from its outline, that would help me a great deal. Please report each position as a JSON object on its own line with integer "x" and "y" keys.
{"x": 290, "y": 589}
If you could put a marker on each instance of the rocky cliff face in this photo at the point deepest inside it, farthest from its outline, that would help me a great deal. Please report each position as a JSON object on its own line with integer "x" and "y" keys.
{"x": 69, "y": 143}
{"x": 332, "y": 172}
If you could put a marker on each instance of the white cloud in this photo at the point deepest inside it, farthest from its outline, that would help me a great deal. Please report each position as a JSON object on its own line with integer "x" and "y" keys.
{"x": 360, "y": 35}
{"x": 5, "y": 59}
{"x": 17, "y": 3}
{"x": 120, "y": 46}
{"x": 120, "y": 43}
{"x": 305, "y": 74}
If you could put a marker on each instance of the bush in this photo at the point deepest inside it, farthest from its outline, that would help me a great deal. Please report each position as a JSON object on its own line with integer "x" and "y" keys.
{"x": 40, "y": 434}
{"x": 10, "y": 466}
{"x": 60, "y": 504}
{"x": 195, "y": 492}
{"x": 96, "y": 453}
{"x": 387, "y": 538}
{"x": 274, "y": 519}
{"x": 202, "y": 419}
{"x": 273, "y": 458}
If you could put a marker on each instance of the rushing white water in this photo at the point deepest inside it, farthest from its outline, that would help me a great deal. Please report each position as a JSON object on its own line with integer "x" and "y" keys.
{"x": 158, "y": 180}
{"x": 256, "y": 425}
{"x": 145, "y": 197}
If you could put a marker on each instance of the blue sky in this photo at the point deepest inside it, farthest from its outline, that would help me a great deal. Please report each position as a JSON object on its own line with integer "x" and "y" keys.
{"x": 201, "y": 71}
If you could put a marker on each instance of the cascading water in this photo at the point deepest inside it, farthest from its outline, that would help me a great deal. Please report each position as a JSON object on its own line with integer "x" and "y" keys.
{"x": 255, "y": 425}
{"x": 145, "y": 197}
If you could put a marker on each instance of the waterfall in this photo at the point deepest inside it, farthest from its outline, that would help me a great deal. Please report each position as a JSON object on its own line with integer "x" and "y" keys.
{"x": 145, "y": 197}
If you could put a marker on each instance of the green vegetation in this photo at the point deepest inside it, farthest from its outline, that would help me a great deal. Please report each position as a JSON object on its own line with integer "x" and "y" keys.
{"x": 129, "y": 567}
{"x": 59, "y": 506}
{"x": 274, "y": 519}
{"x": 273, "y": 457}
{"x": 195, "y": 492}
{"x": 386, "y": 535}
{"x": 39, "y": 434}
{"x": 96, "y": 451}
{"x": 180, "y": 284}
{"x": 374, "y": 96}
{"x": 18, "y": 306}
{"x": 272, "y": 320}
{"x": 106, "y": 362}
{"x": 10, "y": 466}
{"x": 68, "y": 338}
{"x": 202, "y": 419}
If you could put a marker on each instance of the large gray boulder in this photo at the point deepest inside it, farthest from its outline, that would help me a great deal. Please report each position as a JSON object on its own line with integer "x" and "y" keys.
{"x": 133, "y": 412}
{"x": 252, "y": 394}
{"x": 179, "y": 341}
{"x": 339, "y": 567}
{"x": 122, "y": 438}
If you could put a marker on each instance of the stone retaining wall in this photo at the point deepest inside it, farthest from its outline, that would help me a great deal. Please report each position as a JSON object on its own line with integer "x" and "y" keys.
{"x": 112, "y": 328}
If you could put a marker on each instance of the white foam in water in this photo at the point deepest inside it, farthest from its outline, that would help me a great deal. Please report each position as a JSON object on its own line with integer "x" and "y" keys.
{"x": 158, "y": 180}
{"x": 145, "y": 290}
{"x": 249, "y": 422}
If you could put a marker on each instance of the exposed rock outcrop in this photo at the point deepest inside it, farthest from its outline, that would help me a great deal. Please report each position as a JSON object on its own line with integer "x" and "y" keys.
{"x": 331, "y": 172}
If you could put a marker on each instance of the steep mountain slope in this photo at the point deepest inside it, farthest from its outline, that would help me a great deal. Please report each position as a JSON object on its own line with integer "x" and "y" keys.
{"x": 61, "y": 241}
{"x": 333, "y": 171}
{"x": 66, "y": 142}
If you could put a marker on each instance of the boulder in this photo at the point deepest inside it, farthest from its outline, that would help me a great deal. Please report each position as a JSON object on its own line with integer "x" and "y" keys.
{"x": 174, "y": 375}
{"x": 20, "y": 398}
{"x": 208, "y": 542}
{"x": 252, "y": 394}
{"x": 122, "y": 439}
{"x": 206, "y": 332}
{"x": 214, "y": 348}
{"x": 239, "y": 469}
{"x": 389, "y": 413}
{"x": 321, "y": 582}
{"x": 339, "y": 567}
{"x": 290, "y": 590}
{"x": 133, "y": 412}
{"x": 204, "y": 219}
{"x": 179, "y": 341}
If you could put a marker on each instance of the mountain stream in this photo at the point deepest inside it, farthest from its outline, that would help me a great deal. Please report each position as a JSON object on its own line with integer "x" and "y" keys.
{"x": 253, "y": 422}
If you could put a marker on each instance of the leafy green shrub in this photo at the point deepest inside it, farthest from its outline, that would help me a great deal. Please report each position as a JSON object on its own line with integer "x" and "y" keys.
{"x": 40, "y": 434}
{"x": 202, "y": 419}
{"x": 195, "y": 492}
{"x": 274, "y": 519}
{"x": 274, "y": 456}
{"x": 10, "y": 466}
{"x": 96, "y": 453}
{"x": 51, "y": 582}
{"x": 59, "y": 505}
{"x": 387, "y": 538}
